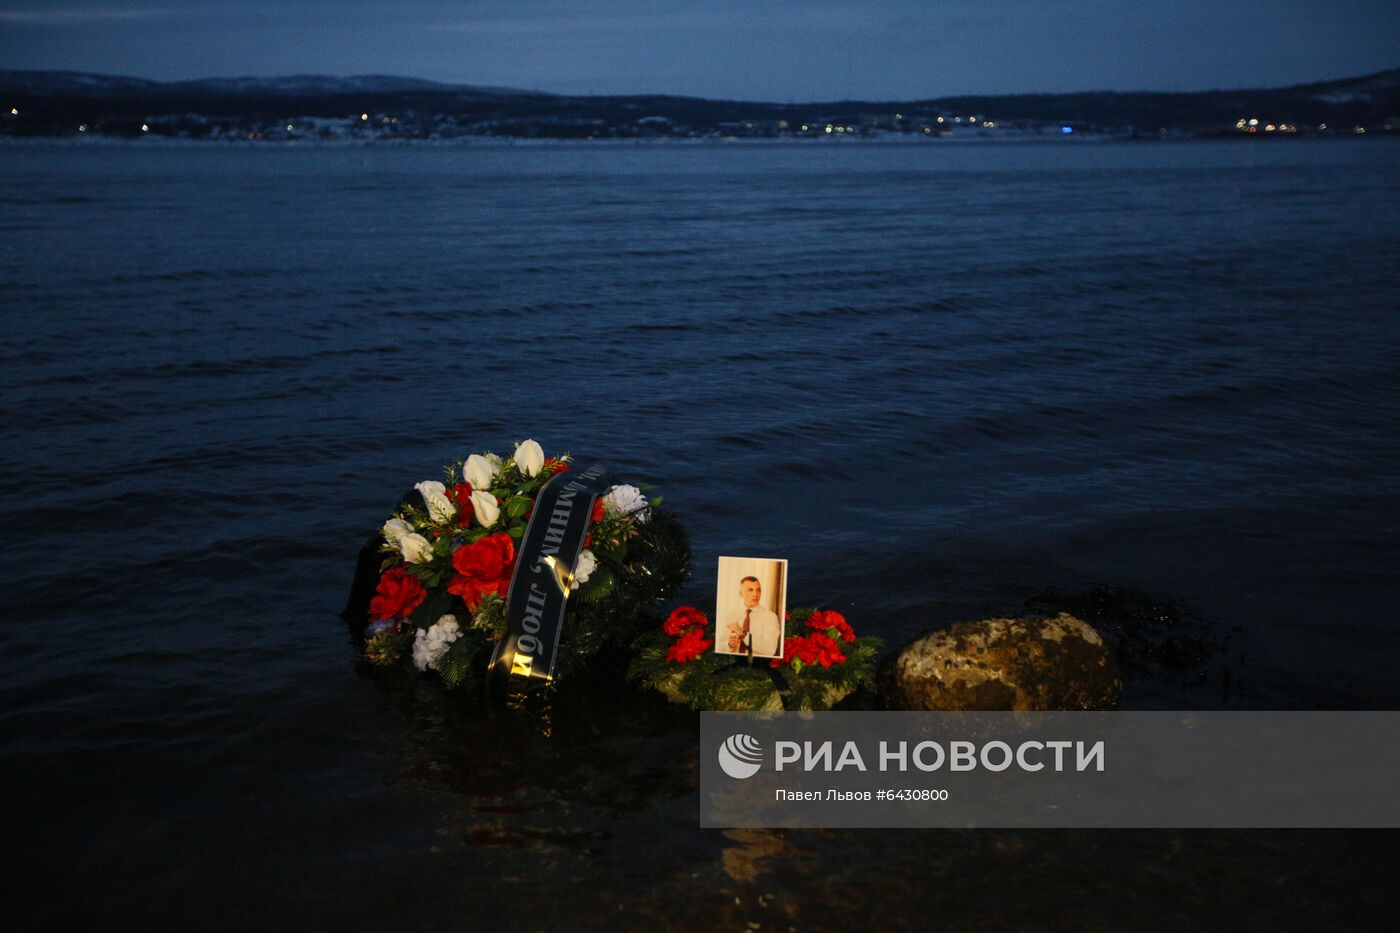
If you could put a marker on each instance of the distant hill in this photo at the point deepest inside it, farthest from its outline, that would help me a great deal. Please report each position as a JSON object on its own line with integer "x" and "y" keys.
{"x": 1364, "y": 100}
{"x": 64, "y": 103}
{"x": 82, "y": 84}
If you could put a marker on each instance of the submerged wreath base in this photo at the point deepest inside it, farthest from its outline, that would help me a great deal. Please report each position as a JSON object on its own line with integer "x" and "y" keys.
{"x": 823, "y": 662}
{"x": 447, "y": 555}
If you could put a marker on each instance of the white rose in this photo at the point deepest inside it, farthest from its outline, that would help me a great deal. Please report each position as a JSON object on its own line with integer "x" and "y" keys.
{"x": 479, "y": 471}
{"x": 583, "y": 568}
{"x": 396, "y": 528}
{"x": 431, "y": 645}
{"x": 415, "y": 548}
{"x": 440, "y": 508}
{"x": 485, "y": 507}
{"x": 529, "y": 457}
{"x": 625, "y": 500}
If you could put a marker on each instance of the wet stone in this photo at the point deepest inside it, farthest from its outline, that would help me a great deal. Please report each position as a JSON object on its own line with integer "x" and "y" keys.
{"x": 1028, "y": 663}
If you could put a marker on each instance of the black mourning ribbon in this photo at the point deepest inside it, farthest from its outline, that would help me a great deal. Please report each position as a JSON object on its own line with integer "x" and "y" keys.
{"x": 540, "y": 584}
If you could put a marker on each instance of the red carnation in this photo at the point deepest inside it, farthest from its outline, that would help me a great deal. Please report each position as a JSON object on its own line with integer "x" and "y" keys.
{"x": 824, "y": 621}
{"x": 689, "y": 646}
{"x": 826, "y": 651}
{"x": 483, "y": 569}
{"x": 816, "y": 648}
{"x": 398, "y": 594}
{"x": 461, "y": 496}
{"x": 552, "y": 466}
{"x": 793, "y": 645}
{"x": 597, "y": 512}
{"x": 683, "y": 618}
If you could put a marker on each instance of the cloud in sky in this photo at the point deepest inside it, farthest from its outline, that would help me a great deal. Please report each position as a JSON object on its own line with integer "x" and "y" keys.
{"x": 755, "y": 49}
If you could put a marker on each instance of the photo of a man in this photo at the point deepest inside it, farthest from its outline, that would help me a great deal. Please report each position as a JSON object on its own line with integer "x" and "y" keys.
{"x": 749, "y": 614}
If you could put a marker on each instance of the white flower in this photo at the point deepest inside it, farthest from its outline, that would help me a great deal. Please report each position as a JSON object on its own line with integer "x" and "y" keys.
{"x": 479, "y": 471}
{"x": 625, "y": 500}
{"x": 485, "y": 507}
{"x": 415, "y": 548}
{"x": 430, "y": 646}
{"x": 440, "y": 508}
{"x": 583, "y": 568}
{"x": 396, "y": 528}
{"x": 529, "y": 457}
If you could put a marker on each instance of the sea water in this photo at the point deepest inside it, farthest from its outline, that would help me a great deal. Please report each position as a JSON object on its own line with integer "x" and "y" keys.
{"x": 939, "y": 379}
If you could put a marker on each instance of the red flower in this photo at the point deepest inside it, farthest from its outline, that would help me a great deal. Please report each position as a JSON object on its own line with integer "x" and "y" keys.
{"x": 816, "y": 648}
{"x": 793, "y": 646}
{"x": 483, "y": 569}
{"x": 552, "y": 466}
{"x": 827, "y": 652}
{"x": 689, "y": 646}
{"x": 461, "y": 496}
{"x": 398, "y": 594}
{"x": 683, "y": 618}
{"x": 824, "y": 621}
{"x": 597, "y": 512}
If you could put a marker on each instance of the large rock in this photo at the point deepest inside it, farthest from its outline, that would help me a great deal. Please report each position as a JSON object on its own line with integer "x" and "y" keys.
{"x": 1030, "y": 663}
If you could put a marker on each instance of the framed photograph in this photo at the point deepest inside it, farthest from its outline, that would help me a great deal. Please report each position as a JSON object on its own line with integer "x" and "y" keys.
{"x": 751, "y": 606}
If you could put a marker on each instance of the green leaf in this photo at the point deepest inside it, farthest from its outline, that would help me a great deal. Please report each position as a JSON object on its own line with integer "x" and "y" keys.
{"x": 608, "y": 549}
{"x": 599, "y": 586}
{"x": 435, "y": 606}
{"x": 649, "y": 660}
{"x": 457, "y": 666}
{"x": 816, "y": 694}
{"x": 516, "y": 532}
{"x": 746, "y": 689}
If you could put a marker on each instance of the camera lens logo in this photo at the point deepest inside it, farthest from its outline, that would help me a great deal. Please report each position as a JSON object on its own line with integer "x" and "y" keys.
{"x": 741, "y": 756}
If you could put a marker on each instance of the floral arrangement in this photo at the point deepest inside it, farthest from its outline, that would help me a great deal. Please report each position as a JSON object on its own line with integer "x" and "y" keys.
{"x": 822, "y": 664}
{"x": 448, "y": 554}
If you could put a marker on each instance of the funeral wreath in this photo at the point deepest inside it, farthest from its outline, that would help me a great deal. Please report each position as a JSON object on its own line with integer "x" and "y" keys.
{"x": 823, "y": 662}
{"x": 442, "y": 566}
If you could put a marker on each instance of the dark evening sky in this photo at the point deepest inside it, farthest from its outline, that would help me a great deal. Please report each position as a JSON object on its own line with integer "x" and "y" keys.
{"x": 747, "y": 49}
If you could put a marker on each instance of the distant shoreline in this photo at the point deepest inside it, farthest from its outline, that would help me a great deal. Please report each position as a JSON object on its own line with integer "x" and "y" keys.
{"x": 369, "y": 109}
{"x": 497, "y": 142}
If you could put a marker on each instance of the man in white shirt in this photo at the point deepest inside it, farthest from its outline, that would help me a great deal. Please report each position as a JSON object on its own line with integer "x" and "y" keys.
{"x": 753, "y": 630}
